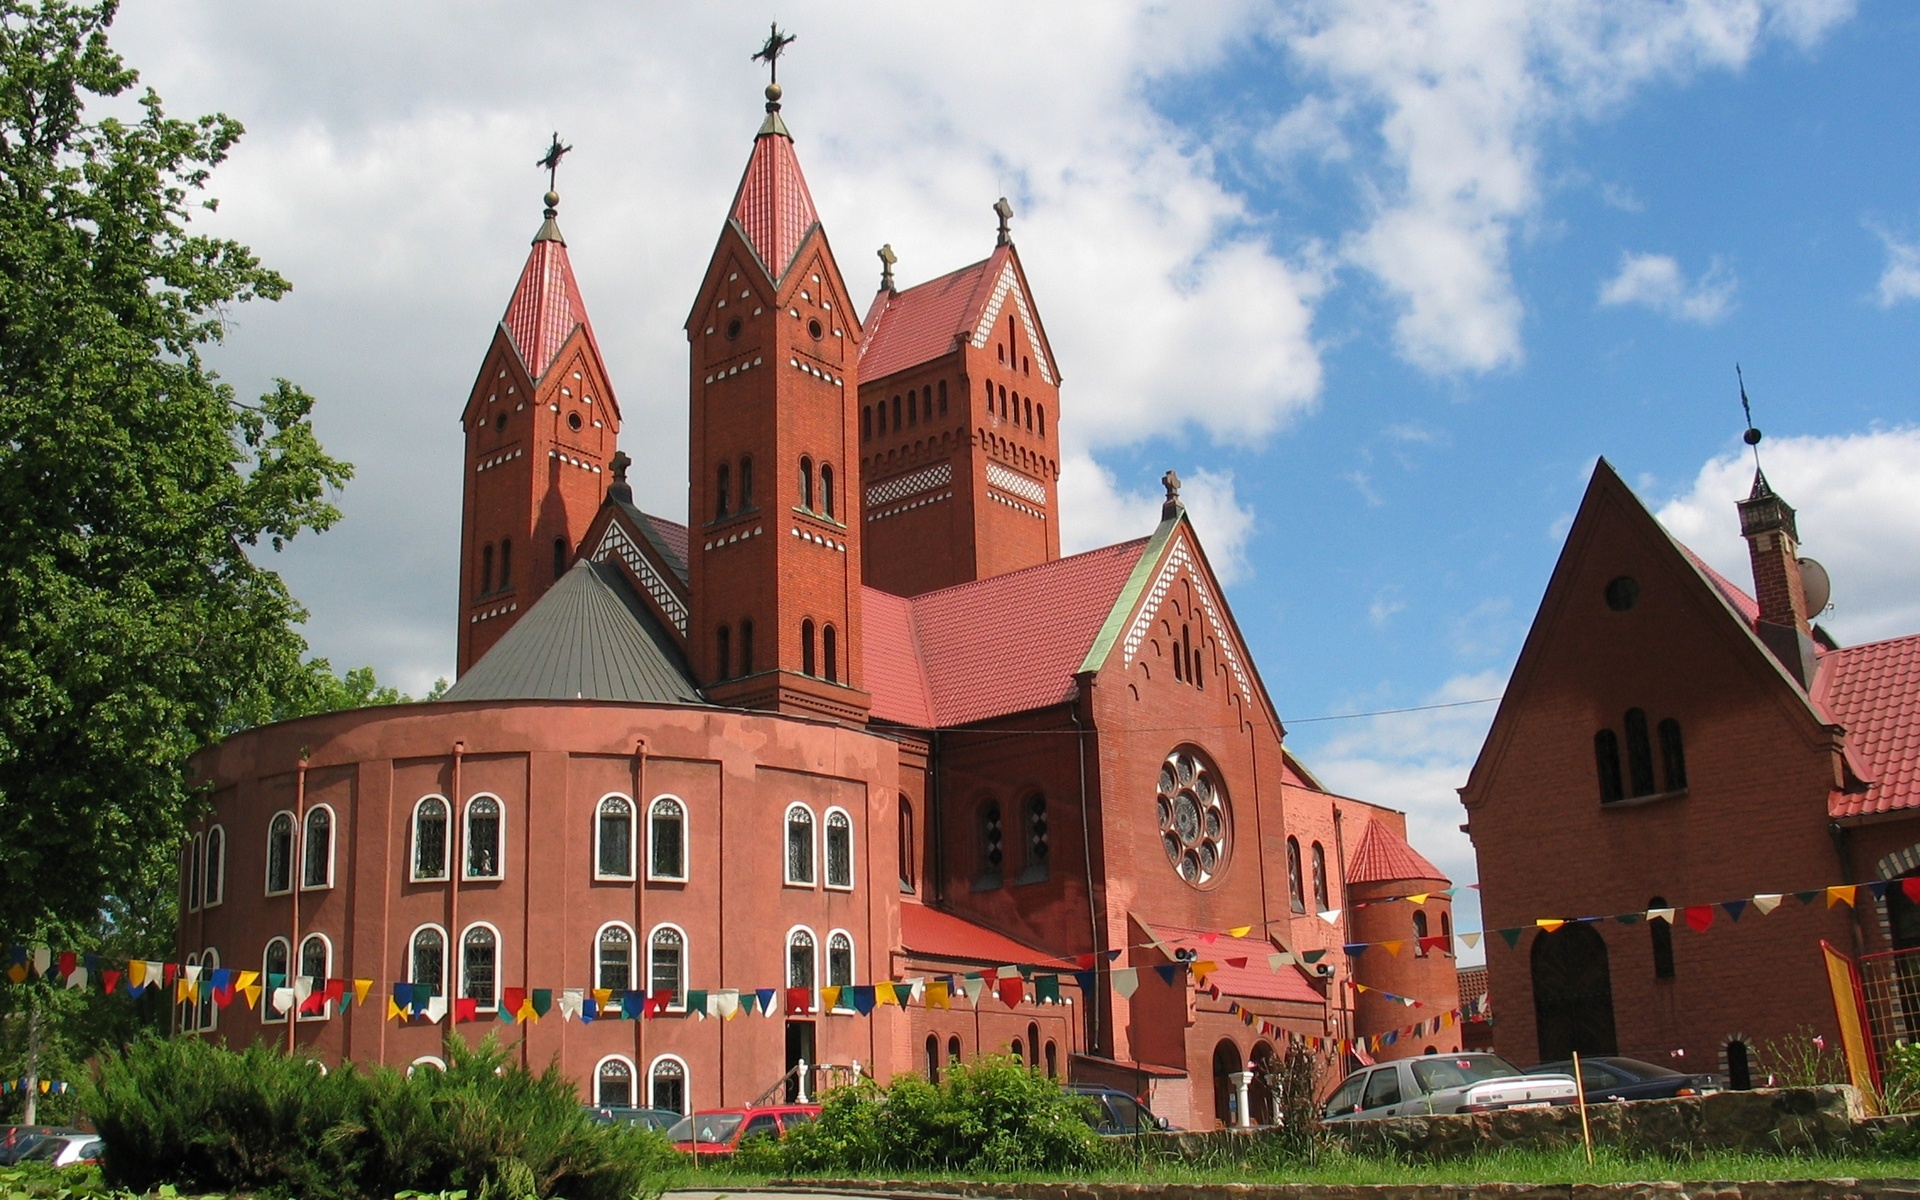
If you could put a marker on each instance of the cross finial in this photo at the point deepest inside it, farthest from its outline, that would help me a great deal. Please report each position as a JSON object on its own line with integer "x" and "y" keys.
{"x": 1005, "y": 213}
{"x": 769, "y": 54}
{"x": 1173, "y": 506}
{"x": 887, "y": 259}
{"x": 1752, "y": 435}
{"x": 551, "y": 161}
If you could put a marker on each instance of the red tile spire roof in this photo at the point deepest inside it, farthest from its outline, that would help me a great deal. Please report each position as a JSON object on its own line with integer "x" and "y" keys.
{"x": 546, "y": 304}
{"x": 1383, "y": 856}
{"x": 773, "y": 209}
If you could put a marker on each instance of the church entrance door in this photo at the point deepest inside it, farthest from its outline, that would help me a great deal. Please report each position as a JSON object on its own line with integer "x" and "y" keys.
{"x": 799, "y": 1050}
{"x": 1572, "y": 993}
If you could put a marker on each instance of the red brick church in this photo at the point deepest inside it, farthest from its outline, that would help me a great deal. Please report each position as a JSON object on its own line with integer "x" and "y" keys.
{"x": 853, "y": 733}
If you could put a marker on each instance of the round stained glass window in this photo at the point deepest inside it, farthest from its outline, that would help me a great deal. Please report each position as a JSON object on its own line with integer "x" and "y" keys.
{"x": 1196, "y": 825}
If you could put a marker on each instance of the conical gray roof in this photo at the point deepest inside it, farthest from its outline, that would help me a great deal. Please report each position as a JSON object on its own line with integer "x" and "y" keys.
{"x": 589, "y": 638}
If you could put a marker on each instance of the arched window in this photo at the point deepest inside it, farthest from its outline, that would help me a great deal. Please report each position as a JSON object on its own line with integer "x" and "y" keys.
{"x": 913, "y": 407}
{"x": 196, "y": 853}
{"x": 830, "y": 650}
{"x": 430, "y": 838}
{"x": 1319, "y": 878}
{"x": 866, "y": 423}
{"x": 1033, "y": 1046}
{"x": 209, "y": 1015}
{"x": 1606, "y": 758}
{"x": 1296, "y": 891}
{"x": 943, "y": 397}
{"x": 806, "y": 483}
{"x": 1040, "y": 411}
{"x": 1419, "y": 933}
{"x": 613, "y": 838}
{"x": 933, "y": 1058}
{"x": 926, "y": 403}
{"x": 428, "y": 961}
{"x": 280, "y": 854}
{"x": 953, "y": 1049}
{"x": 506, "y": 562}
{"x": 746, "y": 483}
{"x": 1038, "y": 844}
{"x": 1003, "y": 403}
{"x": 989, "y": 397}
{"x": 667, "y": 840}
{"x": 1019, "y": 1052}
{"x": 1053, "y": 1059}
{"x": 613, "y": 957}
{"x": 424, "y": 1063}
{"x": 480, "y": 967}
{"x": 1639, "y": 753}
{"x": 992, "y": 846}
{"x": 613, "y": 1083}
{"x": 907, "y": 875}
{"x": 1029, "y": 404}
{"x": 722, "y": 491}
{"x": 840, "y": 967}
{"x": 184, "y": 1011}
{"x": 1660, "y": 930}
{"x": 483, "y": 838}
{"x": 316, "y": 964}
{"x": 667, "y": 966}
{"x": 723, "y": 653}
{"x": 213, "y": 877}
{"x": 1673, "y": 758}
{"x": 800, "y": 956}
{"x": 667, "y": 1081}
{"x": 1446, "y": 933}
{"x": 806, "y": 647}
{"x": 826, "y": 489}
{"x": 1739, "y": 1066}
{"x": 746, "y": 646}
{"x": 275, "y": 966}
{"x": 839, "y": 849}
{"x": 896, "y": 414}
{"x": 486, "y": 568}
{"x": 800, "y": 845}
{"x": 318, "y": 859}
{"x": 559, "y": 557}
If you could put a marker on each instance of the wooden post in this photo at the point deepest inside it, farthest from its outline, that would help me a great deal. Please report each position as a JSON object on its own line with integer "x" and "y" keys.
{"x": 1580, "y": 1092}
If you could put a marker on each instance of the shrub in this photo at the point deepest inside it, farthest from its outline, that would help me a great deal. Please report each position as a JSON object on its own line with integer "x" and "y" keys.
{"x": 198, "y": 1116}
{"x": 992, "y": 1115}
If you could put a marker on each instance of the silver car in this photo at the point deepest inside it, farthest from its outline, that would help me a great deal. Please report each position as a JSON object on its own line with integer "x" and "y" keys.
{"x": 1444, "y": 1083}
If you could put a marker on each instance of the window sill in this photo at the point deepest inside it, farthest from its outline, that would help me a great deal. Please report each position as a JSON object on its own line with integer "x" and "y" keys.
{"x": 483, "y": 878}
{"x": 316, "y": 887}
{"x": 210, "y": 905}
{"x": 987, "y": 883}
{"x": 599, "y": 878}
{"x": 1642, "y": 801}
{"x": 839, "y": 887}
{"x": 821, "y": 517}
{"x": 679, "y": 880}
{"x": 1031, "y": 876}
{"x": 280, "y": 892}
{"x": 803, "y": 885}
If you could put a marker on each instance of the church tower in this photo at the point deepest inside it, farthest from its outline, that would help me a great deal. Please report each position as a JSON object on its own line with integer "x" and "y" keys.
{"x": 541, "y": 427}
{"x": 774, "y": 504}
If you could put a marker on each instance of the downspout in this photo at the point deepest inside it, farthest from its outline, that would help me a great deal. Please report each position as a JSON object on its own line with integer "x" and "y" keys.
{"x": 296, "y": 875}
{"x": 642, "y": 953}
{"x": 456, "y": 945}
{"x": 936, "y": 883}
{"x": 1346, "y": 914}
{"x": 1843, "y": 847}
{"x": 1086, "y": 855}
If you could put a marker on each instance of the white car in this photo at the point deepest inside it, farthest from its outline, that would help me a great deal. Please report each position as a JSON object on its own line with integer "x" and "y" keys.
{"x": 66, "y": 1149}
{"x": 1444, "y": 1083}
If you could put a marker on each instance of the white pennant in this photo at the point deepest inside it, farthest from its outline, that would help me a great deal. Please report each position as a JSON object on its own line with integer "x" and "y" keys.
{"x": 156, "y": 974}
{"x": 192, "y": 971}
{"x": 1470, "y": 940}
{"x": 1276, "y": 961}
{"x": 78, "y": 979}
{"x": 1331, "y": 916}
{"x": 437, "y": 1009}
{"x": 1766, "y": 902}
{"x": 974, "y": 989}
{"x": 1126, "y": 981}
{"x": 1660, "y": 914}
{"x": 302, "y": 987}
{"x": 572, "y": 1002}
{"x": 725, "y": 1005}
{"x": 42, "y": 959}
{"x": 283, "y": 999}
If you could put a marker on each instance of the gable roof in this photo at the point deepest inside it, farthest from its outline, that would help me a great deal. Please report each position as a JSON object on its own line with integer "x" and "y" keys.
{"x": 931, "y": 933}
{"x": 546, "y": 306}
{"x": 924, "y": 322}
{"x": 1383, "y": 856}
{"x": 588, "y": 638}
{"x": 772, "y": 207}
{"x": 926, "y": 662}
{"x": 1253, "y": 980}
{"x": 1874, "y": 692}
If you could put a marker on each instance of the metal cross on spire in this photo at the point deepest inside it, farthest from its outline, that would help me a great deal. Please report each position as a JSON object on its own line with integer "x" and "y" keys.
{"x": 777, "y": 43}
{"x": 551, "y": 161}
{"x": 1752, "y": 435}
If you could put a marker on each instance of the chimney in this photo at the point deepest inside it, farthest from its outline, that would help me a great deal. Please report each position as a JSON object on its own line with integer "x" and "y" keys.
{"x": 1773, "y": 544}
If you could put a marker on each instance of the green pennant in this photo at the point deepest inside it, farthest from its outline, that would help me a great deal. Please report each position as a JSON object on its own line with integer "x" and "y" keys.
{"x": 542, "y": 1001}
{"x": 1046, "y": 989}
{"x": 1631, "y": 918}
{"x": 1511, "y": 936}
{"x": 697, "y": 1001}
{"x": 1809, "y": 897}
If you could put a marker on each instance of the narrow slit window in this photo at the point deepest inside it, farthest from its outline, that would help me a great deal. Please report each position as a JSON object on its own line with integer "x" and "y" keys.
{"x": 1606, "y": 760}
{"x": 1673, "y": 757}
{"x": 1639, "y": 753}
{"x": 615, "y": 836}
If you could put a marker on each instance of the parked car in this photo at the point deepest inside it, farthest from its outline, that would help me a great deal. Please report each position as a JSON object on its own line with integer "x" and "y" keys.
{"x": 646, "y": 1118}
{"x": 1611, "y": 1077}
{"x": 721, "y": 1130}
{"x": 66, "y": 1149}
{"x": 16, "y": 1140}
{"x": 1444, "y": 1083}
{"x": 1118, "y": 1113}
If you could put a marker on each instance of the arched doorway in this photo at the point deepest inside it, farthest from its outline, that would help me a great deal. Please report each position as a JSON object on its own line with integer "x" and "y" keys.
{"x": 1572, "y": 992}
{"x": 1226, "y": 1063}
{"x": 1260, "y": 1097}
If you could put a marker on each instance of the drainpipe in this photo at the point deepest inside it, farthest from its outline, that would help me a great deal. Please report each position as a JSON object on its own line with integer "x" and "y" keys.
{"x": 456, "y": 945}
{"x": 1086, "y": 855}
{"x": 936, "y": 874}
{"x": 1346, "y": 912}
{"x": 1843, "y": 847}
{"x": 296, "y": 875}
{"x": 642, "y": 951}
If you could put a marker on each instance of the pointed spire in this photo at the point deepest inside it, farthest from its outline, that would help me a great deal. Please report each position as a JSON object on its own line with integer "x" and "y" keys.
{"x": 546, "y": 302}
{"x": 773, "y": 208}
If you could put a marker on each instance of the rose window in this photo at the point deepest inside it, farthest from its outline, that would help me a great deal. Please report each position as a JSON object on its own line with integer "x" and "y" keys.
{"x": 1196, "y": 826}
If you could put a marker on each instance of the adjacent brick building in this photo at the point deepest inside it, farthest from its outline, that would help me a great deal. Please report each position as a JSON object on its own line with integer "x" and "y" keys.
{"x": 854, "y": 721}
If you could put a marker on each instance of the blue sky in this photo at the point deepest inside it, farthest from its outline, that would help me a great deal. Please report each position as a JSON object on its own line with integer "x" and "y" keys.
{"x": 1380, "y": 279}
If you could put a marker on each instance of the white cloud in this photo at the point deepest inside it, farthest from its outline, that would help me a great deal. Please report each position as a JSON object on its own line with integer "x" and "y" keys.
{"x": 1901, "y": 278}
{"x": 1858, "y": 499}
{"x": 1654, "y": 281}
{"x": 1097, "y": 511}
{"x": 1465, "y": 97}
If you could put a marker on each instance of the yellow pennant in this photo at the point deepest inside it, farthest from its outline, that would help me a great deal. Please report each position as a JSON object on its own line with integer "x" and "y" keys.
{"x": 939, "y": 995}
{"x": 601, "y": 996}
{"x": 182, "y": 990}
{"x": 1203, "y": 969}
{"x": 394, "y": 1011}
{"x": 136, "y": 973}
{"x": 1549, "y": 924}
{"x": 1840, "y": 895}
{"x": 1393, "y": 948}
{"x": 1361, "y": 987}
{"x": 830, "y": 997}
{"x": 1240, "y": 931}
{"x": 251, "y": 992}
{"x": 245, "y": 980}
{"x": 526, "y": 1011}
{"x": 1420, "y": 899}
{"x": 883, "y": 993}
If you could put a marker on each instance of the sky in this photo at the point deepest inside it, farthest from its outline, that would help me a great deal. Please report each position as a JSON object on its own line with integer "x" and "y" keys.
{"x": 1380, "y": 278}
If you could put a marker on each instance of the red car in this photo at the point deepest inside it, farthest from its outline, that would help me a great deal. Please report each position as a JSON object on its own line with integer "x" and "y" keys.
{"x": 721, "y": 1130}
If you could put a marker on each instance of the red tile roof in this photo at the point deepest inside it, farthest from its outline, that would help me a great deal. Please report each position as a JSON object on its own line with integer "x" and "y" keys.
{"x": 905, "y": 329}
{"x": 1745, "y": 605}
{"x": 963, "y": 667}
{"x": 929, "y": 933}
{"x": 546, "y": 306}
{"x": 1874, "y": 692}
{"x": 1383, "y": 856}
{"x": 773, "y": 208}
{"x": 672, "y": 533}
{"x": 1255, "y": 980}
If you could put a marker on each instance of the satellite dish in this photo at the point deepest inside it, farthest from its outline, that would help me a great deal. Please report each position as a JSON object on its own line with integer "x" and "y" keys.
{"x": 1818, "y": 587}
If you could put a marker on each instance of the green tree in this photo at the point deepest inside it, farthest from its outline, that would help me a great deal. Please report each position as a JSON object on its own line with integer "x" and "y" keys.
{"x": 135, "y": 622}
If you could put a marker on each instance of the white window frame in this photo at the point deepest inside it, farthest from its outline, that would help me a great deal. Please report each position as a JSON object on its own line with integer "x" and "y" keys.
{"x": 446, "y": 952}
{"x": 326, "y": 1010}
{"x": 686, "y": 955}
{"x": 426, "y": 1060}
{"x": 333, "y": 845}
{"x": 186, "y": 1013}
{"x": 633, "y": 1081}
{"x": 633, "y": 834}
{"x": 293, "y": 854}
{"x": 686, "y": 1080}
{"x": 786, "y": 964}
{"x": 826, "y": 859}
{"x": 209, "y": 1015}
{"x": 499, "y": 965}
{"x": 207, "y": 873}
{"x": 413, "y": 841}
{"x": 267, "y": 1016}
{"x": 196, "y": 870}
{"x": 813, "y": 846}
{"x": 686, "y": 830}
{"x": 845, "y": 1004}
{"x": 633, "y": 941}
{"x": 466, "y": 838}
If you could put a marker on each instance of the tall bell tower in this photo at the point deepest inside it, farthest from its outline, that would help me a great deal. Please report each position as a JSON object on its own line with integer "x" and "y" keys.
{"x": 774, "y": 499}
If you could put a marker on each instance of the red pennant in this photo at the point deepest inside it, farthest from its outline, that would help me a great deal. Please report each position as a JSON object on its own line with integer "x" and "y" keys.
{"x": 1699, "y": 917}
{"x": 1011, "y": 991}
{"x": 336, "y": 990}
{"x": 1085, "y": 961}
{"x": 223, "y": 996}
{"x": 1911, "y": 886}
{"x": 167, "y": 974}
{"x": 799, "y": 999}
{"x": 68, "y": 960}
{"x": 466, "y": 1008}
{"x": 1209, "y": 938}
{"x": 657, "y": 1003}
{"x": 511, "y": 999}
{"x": 108, "y": 979}
{"x": 1238, "y": 964}
{"x": 1428, "y": 944}
{"x": 315, "y": 1004}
